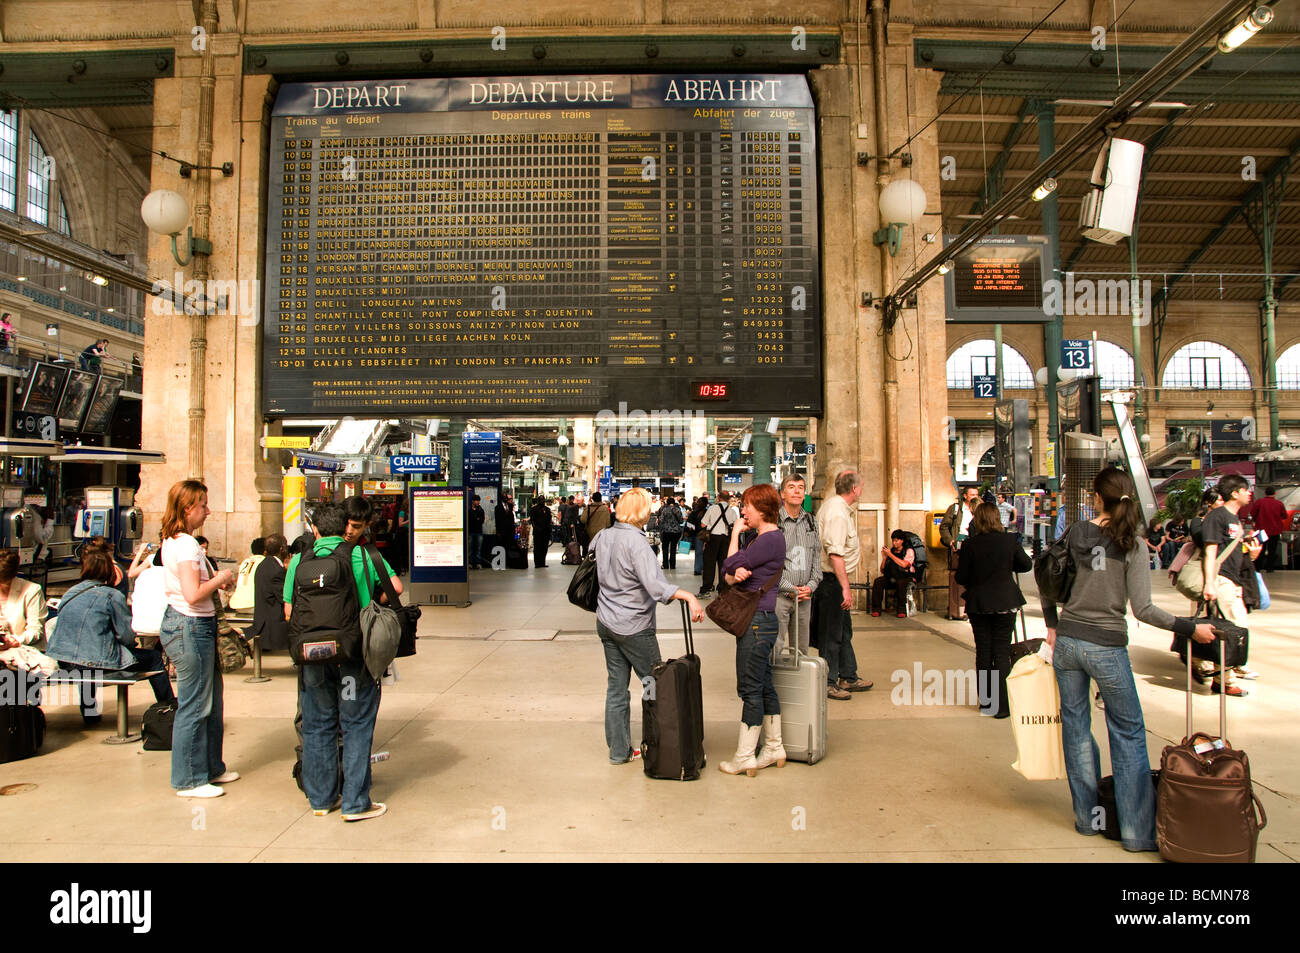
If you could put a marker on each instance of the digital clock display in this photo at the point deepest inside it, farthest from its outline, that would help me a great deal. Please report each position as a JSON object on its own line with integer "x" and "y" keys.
{"x": 712, "y": 390}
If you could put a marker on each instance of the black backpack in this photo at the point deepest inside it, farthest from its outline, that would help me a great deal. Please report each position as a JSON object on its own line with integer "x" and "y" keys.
{"x": 325, "y": 624}
{"x": 913, "y": 542}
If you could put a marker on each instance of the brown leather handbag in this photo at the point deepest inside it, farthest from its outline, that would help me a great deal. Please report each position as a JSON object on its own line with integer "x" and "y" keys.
{"x": 734, "y": 610}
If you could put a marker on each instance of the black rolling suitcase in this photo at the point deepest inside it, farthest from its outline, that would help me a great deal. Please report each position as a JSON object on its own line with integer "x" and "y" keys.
{"x": 672, "y": 716}
{"x": 22, "y": 723}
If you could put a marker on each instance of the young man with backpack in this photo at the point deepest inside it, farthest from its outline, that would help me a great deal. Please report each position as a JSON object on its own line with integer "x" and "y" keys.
{"x": 324, "y": 593}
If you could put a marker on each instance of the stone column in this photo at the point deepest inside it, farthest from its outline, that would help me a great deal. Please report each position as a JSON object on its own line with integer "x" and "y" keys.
{"x": 243, "y": 492}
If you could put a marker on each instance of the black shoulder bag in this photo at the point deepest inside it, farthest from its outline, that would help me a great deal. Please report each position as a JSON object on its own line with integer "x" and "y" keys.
{"x": 1054, "y": 570}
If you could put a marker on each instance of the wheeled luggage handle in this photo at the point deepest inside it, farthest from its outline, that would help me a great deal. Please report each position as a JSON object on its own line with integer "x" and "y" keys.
{"x": 791, "y": 646}
{"x": 686, "y": 627}
{"x": 1223, "y": 689}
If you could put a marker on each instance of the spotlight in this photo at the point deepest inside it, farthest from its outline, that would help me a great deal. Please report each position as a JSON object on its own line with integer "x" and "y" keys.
{"x": 1047, "y": 187}
{"x": 1259, "y": 18}
{"x": 945, "y": 268}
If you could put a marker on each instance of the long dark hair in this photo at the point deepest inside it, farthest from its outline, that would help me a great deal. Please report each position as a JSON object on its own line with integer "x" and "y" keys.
{"x": 1119, "y": 500}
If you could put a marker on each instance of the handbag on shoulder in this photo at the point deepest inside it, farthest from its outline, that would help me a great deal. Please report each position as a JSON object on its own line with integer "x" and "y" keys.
{"x": 584, "y": 587}
{"x": 408, "y": 616}
{"x": 1054, "y": 571}
{"x": 734, "y": 610}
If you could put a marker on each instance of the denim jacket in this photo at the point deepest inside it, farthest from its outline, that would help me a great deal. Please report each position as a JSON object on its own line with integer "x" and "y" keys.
{"x": 93, "y": 628}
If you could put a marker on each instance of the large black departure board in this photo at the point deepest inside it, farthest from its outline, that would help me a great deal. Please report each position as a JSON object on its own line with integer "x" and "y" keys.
{"x": 551, "y": 244}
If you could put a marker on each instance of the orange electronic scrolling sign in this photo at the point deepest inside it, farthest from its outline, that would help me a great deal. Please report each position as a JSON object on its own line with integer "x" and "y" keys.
{"x": 999, "y": 279}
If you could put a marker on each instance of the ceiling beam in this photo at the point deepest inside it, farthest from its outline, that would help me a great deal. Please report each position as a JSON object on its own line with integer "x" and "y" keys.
{"x": 1278, "y": 169}
{"x": 1205, "y": 122}
{"x": 1230, "y": 151}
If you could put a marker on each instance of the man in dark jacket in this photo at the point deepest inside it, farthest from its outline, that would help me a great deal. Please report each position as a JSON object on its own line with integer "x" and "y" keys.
{"x": 477, "y": 515}
{"x": 540, "y": 516}
{"x": 670, "y": 531}
{"x": 268, "y": 596}
{"x": 504, "y": 514}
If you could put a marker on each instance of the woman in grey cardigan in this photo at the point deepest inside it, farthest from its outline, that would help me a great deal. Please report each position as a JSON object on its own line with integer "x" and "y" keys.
{"x": 1090, "y": 641}
{"x": 631, "y": 583}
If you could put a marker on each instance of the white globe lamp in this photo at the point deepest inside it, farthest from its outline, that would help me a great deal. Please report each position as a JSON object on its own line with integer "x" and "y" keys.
{"x": 902, "y": 203}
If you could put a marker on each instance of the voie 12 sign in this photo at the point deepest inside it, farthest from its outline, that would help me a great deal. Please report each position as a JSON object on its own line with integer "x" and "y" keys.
{"x": 985, "y": 385}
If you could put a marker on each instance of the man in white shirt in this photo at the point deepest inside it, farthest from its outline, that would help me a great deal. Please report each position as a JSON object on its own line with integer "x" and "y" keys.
{"x": 837, "y": 525}
{"x": 955, "y": 528}
{"x": 717, "y": 522}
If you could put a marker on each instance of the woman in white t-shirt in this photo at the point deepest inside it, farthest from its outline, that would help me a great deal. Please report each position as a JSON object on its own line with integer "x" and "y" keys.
{"x": 189, "y": 634}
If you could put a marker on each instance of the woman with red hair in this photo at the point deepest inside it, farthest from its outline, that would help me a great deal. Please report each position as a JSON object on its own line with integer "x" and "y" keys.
{"x": 757, "y": 567}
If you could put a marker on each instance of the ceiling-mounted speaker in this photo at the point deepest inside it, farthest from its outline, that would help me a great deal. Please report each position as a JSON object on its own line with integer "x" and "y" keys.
{"x": 1110, "y": 203}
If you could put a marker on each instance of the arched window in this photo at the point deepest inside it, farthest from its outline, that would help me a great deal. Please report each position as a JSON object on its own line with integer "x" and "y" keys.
{"x": 1205, "y": 365}
{"x": 1115, "y": 365}
{"x": 65, "y": 225}
{"x": 1288, "y": 369}
{"x": 39, "y": 167}
{"x": 978, "y": 357}
{"x": 9, "y": 160}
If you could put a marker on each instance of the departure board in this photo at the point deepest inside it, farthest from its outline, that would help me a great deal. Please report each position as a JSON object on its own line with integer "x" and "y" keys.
{"x": 549, "y": 244}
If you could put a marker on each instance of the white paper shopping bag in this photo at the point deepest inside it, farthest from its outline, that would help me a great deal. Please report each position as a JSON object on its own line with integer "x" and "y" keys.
{"x": 1036, "y": 719}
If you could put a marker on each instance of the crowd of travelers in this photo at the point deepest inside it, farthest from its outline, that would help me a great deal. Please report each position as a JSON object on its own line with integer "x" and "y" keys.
{"x": 766, "y": 540}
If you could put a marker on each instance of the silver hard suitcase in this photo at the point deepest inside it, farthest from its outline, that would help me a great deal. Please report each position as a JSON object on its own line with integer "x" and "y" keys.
{"x": 800, "y": 682}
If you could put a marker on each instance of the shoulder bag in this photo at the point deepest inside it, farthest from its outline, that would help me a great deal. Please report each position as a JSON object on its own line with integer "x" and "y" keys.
{"x": 734, "y": 609}
{"x": 1054, "y": 571}
{"x": 1190, "y": 580}
{"x": 584, "y": 587}
{"x": 1235, "y": 639}
{"x": 407, "y": 616}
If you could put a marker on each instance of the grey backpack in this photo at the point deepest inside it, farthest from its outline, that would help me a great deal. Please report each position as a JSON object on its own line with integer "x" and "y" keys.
{"x": 381, "y": 633}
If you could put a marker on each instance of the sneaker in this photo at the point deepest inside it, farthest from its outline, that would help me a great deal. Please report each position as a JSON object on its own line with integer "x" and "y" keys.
{"x": 875, "y": 615}
{"x": 857, "y": 685}
{"x": 376, "y": 810}
{"x": 833, "y": 691}
{"x": 902, "y": 615}
{"x": 704, "y": 592}
{"x": 1242, "y": 672}
{"x": 203, "y": 790}
{"x": 225, "y": 778}
{"x": 1232, "y": 691}
{"x": 329, "y": 810}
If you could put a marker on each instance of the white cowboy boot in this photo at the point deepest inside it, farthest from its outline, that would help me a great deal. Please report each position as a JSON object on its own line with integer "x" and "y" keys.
{"x": 772, "y": 751}
{"x": 744, "y": 760}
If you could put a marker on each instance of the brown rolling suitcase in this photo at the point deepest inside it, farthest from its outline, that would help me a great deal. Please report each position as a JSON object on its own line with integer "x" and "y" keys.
{"x": 1205, "y": 806}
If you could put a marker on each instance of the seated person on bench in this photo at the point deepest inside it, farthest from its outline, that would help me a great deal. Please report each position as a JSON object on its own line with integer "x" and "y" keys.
{"x": 93, "y": 633}
{"x": 22, "y": 606}
{"x": 897, "y": 569}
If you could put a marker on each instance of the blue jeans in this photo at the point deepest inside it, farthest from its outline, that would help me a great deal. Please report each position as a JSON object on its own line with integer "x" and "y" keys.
{"x": 191, "y": 644}
{"x": 1076, "y": 662}
{"x": 835, "y": 631}
{"x": 146, "y": 660}
{"x": 624, "y": 654}
{"x": 754, "y": 670}
{"x": 698, "y": 547}
{"x": 335, "y": 696}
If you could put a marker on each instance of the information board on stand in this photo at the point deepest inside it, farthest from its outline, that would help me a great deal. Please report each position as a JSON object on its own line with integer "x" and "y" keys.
{"x": 439, "y": 545}
{"x": 548, "y": 243}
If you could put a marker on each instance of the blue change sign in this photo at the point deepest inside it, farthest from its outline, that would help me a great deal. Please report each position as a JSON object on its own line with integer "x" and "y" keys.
{"x": 415, "y": 463}
{"x": 985, "y": 385}
{"x": 1076, "y": 355}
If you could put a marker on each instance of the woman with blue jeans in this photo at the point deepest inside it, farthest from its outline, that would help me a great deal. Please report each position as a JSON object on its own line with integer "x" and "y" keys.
{"x": 189, "y": 634}
{"x": 631, "y": 583}
{"x": 1090, "y": 642}
{"x": 752, "y": 568}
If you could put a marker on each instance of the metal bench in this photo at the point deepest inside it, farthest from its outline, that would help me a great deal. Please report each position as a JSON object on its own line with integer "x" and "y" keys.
{"x": 123, "y": 681}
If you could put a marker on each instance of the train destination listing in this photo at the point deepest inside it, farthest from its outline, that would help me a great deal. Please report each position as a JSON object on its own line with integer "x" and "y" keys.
{"x": 551, "y": 243}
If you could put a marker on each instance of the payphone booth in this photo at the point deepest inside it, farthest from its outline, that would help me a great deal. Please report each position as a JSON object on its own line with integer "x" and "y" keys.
{"x": 17, "y": 523}
{"x": 110, "y": 512}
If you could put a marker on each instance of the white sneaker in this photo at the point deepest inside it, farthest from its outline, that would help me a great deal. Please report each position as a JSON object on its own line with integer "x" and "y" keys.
{"x": 329, "y": 810}
{"x": 376, "y": 810}
{"x": 203, "y": 790}
{"x": 225, "y": 778}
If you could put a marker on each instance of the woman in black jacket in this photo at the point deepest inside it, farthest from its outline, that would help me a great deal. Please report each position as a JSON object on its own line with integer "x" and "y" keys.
{"x": 985, "y": 565}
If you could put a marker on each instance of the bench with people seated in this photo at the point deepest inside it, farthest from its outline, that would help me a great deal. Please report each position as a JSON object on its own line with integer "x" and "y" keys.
{"x": 87, "y": 682}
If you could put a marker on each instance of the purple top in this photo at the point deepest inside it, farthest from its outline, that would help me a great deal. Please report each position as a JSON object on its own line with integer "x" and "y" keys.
{"x": 764, "y": 557}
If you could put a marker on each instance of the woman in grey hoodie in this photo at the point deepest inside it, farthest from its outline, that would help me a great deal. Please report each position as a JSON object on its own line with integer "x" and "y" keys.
{"x": 1090, "y": 641}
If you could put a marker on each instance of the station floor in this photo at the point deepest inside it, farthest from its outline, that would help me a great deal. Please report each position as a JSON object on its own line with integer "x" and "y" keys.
{"x": 495, "y": 736}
